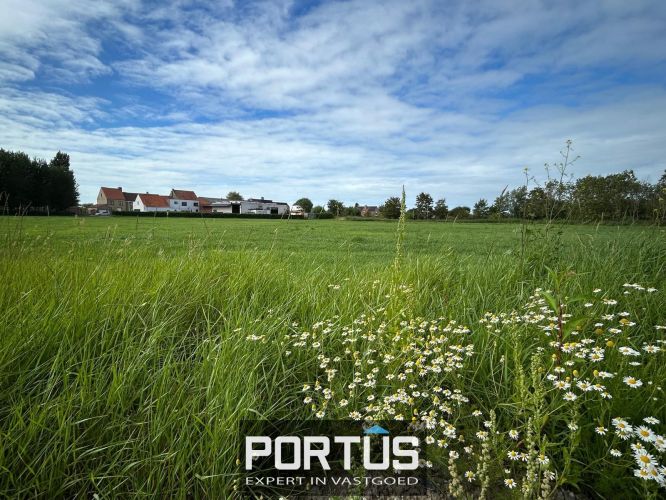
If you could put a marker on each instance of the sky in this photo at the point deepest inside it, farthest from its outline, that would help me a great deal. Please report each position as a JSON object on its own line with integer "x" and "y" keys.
{"x": 333, "y": 99}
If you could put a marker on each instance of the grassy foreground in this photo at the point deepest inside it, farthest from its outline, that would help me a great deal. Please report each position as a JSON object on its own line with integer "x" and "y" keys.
{"x": 130, "y": 349}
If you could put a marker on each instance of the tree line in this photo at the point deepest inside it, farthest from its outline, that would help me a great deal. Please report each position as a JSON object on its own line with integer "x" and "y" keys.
{"x": 616, "y": 197}
{"x": 34, "y": 185}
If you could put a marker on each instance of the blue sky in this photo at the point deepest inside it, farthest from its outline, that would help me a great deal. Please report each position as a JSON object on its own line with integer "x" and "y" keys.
{"x": 346, "y": 100}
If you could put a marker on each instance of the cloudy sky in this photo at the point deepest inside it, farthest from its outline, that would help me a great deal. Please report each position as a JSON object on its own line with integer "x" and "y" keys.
{"x": 344, "y": 99}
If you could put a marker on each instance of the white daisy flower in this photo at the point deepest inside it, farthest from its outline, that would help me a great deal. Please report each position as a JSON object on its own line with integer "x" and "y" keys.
{"x": 632, "y": 382}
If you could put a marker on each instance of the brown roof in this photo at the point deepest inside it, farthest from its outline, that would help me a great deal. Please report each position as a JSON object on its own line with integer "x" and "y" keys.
{"x": 115, "y": 194}
{"x": 129, "y": 196}
{"x": 183, "y": 195}
{"x": 154, "y": 200}
{"x": 206, "y": 201}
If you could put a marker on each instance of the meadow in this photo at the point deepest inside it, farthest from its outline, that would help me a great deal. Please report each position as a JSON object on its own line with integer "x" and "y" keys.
{"x": 132, "y": 348}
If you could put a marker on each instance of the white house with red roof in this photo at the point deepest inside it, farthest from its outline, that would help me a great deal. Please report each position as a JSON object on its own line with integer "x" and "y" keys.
{"x": 183, "y": 201}
{"x": 151, "y": 203}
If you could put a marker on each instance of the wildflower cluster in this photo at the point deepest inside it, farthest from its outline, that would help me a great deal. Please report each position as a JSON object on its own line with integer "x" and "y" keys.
{"x": 580, "y": 350}
{"x": 646, "y": 444}
{"x": 390, "y": 373}
{"x": 585, "y": 355}
{"x": 413, "y": 372}
{"x": 595, "y": 357}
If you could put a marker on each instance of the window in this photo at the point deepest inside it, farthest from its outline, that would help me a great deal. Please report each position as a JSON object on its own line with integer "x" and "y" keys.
{"x": 196, "y": 203}
{"x": 183, "y": 203}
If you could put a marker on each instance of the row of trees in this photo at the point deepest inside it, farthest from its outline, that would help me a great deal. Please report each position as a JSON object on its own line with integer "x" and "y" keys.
{"x": 390, "y": 209}
{"x": 34, "y": 185}
{"x": 615, "y": 197}
{"x": 611, "y": 197}
{"x": 424, "y": 208}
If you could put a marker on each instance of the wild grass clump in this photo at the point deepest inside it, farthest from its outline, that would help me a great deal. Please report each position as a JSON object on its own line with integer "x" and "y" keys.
{"x": 130, "y": 351}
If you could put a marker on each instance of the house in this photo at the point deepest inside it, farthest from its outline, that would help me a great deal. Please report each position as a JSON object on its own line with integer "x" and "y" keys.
{"x": 369, "y": 211}
{"x": 129, "y": 200}
{"x": 183, "y": 201}
{"x": 115, "y": 199}
{"x": 151, "y": 203}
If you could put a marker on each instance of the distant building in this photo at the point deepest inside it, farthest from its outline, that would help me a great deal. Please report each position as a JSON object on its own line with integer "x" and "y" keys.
{"x": 180, "y": 200}
{"x": 152, "y": 203}
{"x": 115, "y": 200}
{"x": 256, "y": 206}
{"x": 206, "y": 204}
{"x": 262, "y": 206}
{"x": 369, "y": 211}
{"x": 224, "y": 206}
{"x": 183, "y": 201}
{"x": 129, "y": 200}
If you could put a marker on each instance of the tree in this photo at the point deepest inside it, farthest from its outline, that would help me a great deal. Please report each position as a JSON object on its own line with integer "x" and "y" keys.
{"x": 460, "y": 212}
{"x": 352, "y": 211}
{"x": 423, "y": 206}
{"x": 441, "y": 209}
{"x": 537, "y": 205}
{"x": 305, "y": 204}
{"x": 16, "y": 179}
{"x": 36, "y": 185}
{"x": 234, "y": 196}
{"x": 557, "y": 198}
{"x": 501, "y": 205}
{"x": 62, "y": 188}
{"x": 518, "y": 202}
{"x": 481, "y": 209}
{"x": 317, "y": 209}
{"x": 335, "y": 207}
{"x": 661, "y": 184}
{"x": 391, "y": 208}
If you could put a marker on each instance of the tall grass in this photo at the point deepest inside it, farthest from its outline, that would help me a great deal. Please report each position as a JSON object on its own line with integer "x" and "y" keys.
{"x": 126, "y": 365}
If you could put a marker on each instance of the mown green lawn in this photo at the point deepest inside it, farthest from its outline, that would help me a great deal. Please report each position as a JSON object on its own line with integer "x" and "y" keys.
{"x": 131, "y": 348}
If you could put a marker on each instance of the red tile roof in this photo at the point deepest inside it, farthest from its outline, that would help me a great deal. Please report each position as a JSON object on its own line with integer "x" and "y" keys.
{"x": 154, "y": 200}
{"x": 129, "y": 196}
{"x": 183, "y": 195}
{"x": 113, "y": 194}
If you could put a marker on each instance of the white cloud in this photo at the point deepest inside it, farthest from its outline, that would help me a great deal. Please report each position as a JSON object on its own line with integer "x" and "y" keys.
{"x": 350, "y": 100}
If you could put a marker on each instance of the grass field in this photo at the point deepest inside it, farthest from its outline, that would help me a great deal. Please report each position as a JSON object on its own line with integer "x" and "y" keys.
{"x": 130, "y": 349}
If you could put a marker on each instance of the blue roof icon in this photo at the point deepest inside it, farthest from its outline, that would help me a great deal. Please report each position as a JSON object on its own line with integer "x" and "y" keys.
{"x": 376, "y": 429}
